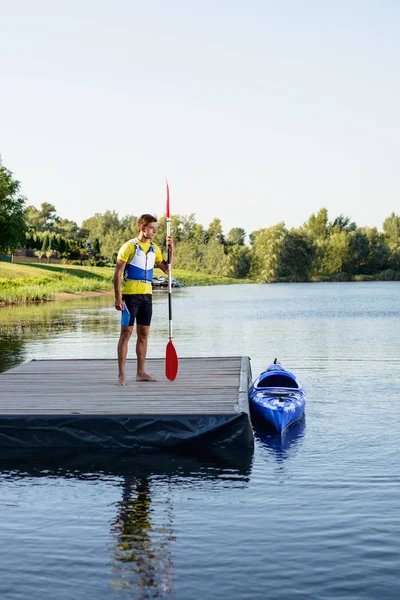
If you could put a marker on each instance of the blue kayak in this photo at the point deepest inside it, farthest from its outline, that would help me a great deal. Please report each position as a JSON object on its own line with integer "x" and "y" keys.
{"x": 277, "y": 397}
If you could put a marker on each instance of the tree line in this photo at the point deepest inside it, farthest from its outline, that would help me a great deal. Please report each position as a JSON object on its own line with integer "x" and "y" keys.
{"x": 321, "y": 248}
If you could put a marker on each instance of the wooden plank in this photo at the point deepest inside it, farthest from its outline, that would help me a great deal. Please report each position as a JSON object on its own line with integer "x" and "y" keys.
{"x": 205, "y": 385}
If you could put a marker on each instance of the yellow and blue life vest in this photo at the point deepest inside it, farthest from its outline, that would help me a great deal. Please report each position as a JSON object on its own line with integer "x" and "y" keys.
{"x": 141, "y": 266}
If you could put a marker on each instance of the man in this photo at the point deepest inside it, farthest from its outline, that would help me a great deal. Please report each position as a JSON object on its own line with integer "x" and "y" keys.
{"x": 135, "y": 262}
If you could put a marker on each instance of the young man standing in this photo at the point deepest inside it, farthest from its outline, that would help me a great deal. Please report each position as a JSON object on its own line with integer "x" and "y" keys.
{"x": 135, "y": 263}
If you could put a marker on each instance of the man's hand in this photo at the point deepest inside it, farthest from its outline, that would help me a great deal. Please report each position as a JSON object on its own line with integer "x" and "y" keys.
{"x": 119, "y": 304}
{"x": 170, "y": 242}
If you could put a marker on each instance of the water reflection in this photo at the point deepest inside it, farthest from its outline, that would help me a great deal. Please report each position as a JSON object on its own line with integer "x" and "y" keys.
{"x": 281, "y": 446}
{"x": 143, "y": 544}
{"x": 43, "y": 320}
{"x": 99, "y": 463}
{"x": 142, "y": 531}
{"x": 20, "y": 325}
{"x": 12, "y": 353}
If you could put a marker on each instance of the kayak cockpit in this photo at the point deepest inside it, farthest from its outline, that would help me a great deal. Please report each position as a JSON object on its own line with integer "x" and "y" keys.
{"x": 277, "y": 380}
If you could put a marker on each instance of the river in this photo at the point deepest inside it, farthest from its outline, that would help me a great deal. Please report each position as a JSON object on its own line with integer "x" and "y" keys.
{"x": 312, "y": 515}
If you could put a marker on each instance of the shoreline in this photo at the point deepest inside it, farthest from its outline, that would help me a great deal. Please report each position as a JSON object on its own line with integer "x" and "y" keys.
{"x": 86, "y": 294}
{"x": 63, "y": 296}
{"x": 22, "y": 284}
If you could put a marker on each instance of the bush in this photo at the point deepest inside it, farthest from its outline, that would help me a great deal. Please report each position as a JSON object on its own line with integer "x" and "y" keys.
{"x": 389, "y": 275}
{"x": 75, "y": 262}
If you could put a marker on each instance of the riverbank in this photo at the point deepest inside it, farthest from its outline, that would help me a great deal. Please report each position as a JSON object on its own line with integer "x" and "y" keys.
{"x": 27, "y": 283}
{"x": 24, "y": 283}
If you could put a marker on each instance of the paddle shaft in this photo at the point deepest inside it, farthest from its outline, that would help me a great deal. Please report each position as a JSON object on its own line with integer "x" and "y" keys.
{"x": 171, "y": 358}
{"x": 169, "y": 281}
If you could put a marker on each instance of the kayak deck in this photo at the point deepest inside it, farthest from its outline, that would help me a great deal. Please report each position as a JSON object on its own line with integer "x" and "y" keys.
{"x": 277, "y": 397}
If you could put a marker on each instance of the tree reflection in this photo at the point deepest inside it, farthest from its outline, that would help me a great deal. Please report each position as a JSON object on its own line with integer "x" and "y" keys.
{"x": 142, "y": 549}
{"x": 11, "y": 353}
{"x": 19, "y": 325}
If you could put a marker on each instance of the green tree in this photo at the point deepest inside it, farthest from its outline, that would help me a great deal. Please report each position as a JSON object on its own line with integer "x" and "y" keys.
{"x": 236, "y": 236}
{"x": 67, "y": 228}
{"x": 237, "y": 262}
{"x": 189, "y": 255}
{"x": 55, "y": 242}
{"x": 101, "y": 224}
{"x": 62, "y": 245}
{"x": 342, "y": 223}
{"x": 296, "y": 256}
{"x": 12, "y": 212}
{"x": 96, "y": 246}
{"x": 391, "y": 230}
{"x": 162, "y": 232}
{"x": 128, "y": 224}
{"x": 49, "y": 251}
{"x": 110, "y": 231}
{"x": 267, "y": 244}
{"x": 39, "y": 254}
{"x": 46, "y": 242}
{"x": 214, "y": 260}
{"x": 112, "y": 242}
{"x": 358, "y": 254}
{"x": 199, "y": 234}
{"x": 317, "y": 225}
{"x": 215, "y": 231}
{"x": 378, "y": 251}
{"x": 188, "y": 224}
{"x": 336, "y": 253}
{"x": 30, "y": 241}
{"x": 42, "y": 219}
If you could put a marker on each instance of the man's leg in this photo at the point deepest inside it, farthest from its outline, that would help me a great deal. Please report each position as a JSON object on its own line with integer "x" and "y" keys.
{"x": 142, "y": 332}
{"x": 123, "y": 342}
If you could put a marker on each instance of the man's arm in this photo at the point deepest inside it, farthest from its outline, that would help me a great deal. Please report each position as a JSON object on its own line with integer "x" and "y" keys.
{"x": 163, "y": 264}
{"x": 119, "y": 271}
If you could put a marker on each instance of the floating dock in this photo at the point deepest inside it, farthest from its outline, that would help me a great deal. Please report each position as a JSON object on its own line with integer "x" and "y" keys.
{"x": 76, "y": 404}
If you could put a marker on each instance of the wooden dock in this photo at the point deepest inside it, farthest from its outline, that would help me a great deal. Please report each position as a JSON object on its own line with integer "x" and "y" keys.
{"x": 77, "y": 404}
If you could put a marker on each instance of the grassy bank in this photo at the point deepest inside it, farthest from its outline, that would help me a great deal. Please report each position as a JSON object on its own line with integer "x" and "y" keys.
{"x": 38, "y": 283}
{"x": 388, "y": 275}
{"x": 25, "y": 283}
{"x": 21, "y": 283}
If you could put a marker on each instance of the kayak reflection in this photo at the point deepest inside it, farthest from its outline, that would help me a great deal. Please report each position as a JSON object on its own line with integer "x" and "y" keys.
{"x": 281, "y": 446}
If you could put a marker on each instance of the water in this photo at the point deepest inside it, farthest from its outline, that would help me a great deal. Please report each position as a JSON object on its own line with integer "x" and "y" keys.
{"x": 312, "y": 515}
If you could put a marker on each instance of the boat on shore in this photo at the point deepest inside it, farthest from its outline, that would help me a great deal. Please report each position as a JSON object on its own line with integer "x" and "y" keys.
{"x": 161, "y": 283}
{"x": 277, "y": 397}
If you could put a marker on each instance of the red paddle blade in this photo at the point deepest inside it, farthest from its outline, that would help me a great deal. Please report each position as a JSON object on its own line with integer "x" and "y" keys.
{"x": 167, "y": 211}
{"x": 171, "y": 362}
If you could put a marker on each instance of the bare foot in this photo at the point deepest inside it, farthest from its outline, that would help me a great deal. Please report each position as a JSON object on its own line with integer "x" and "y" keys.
{"x": 121, "y": 380}
{"x": 145, "y": 377}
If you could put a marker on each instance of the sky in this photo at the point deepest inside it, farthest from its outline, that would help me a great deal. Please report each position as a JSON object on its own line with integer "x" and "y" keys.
{"x": 257, "y": 111}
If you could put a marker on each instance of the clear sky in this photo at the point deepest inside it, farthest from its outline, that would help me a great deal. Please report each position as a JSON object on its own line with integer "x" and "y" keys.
{"x": 257, "y": 111}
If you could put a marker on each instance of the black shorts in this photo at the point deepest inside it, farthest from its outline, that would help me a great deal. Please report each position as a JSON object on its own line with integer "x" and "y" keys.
{"x": 140, "y": 307}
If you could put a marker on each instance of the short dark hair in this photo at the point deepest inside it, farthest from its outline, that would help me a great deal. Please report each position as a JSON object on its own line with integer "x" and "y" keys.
{"x": 146, "y": 219}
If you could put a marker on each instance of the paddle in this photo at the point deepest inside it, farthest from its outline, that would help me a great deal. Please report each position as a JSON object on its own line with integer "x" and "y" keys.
{"x": 171, "y": 358}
